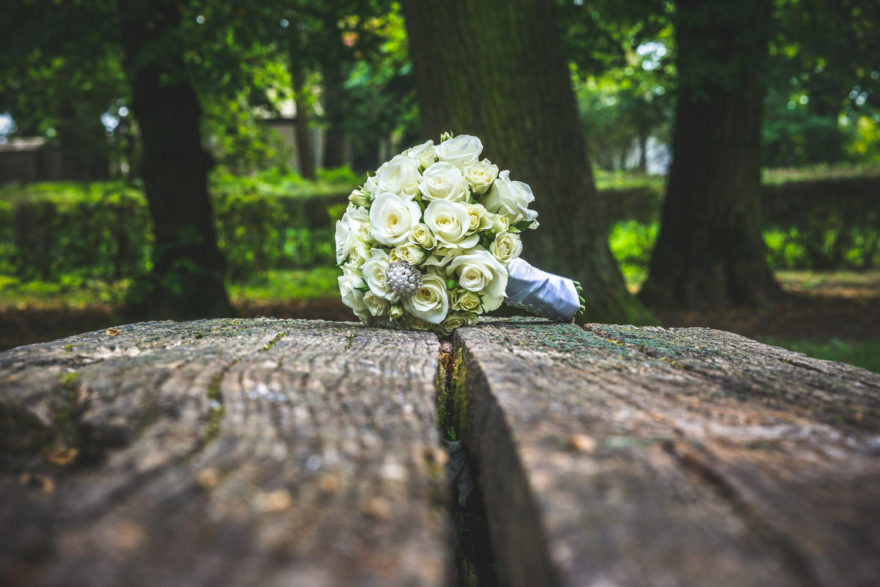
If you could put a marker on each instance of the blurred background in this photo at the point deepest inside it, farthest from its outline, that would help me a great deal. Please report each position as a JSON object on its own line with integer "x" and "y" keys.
{"x": 698, "y": 162}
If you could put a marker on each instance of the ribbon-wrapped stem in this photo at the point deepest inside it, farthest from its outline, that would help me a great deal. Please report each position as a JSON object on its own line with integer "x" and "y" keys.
{"x": 542, "y": 293}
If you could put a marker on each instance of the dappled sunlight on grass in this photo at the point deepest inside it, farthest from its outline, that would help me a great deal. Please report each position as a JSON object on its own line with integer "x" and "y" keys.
{"x": 845, "y": 284}
{"x": 860, "y": 354}
{"x": 276, "y": 286}
{"x": 818, "y": 172}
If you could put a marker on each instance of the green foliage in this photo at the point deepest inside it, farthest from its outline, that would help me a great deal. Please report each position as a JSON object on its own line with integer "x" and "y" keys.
{"x": 278, "y": 221}
{"x": 101, "y": 230}
{"x": 98, "y": 230}
{"x": 631, "y": 243}
{"x": 860, "y": 354}
{"x": 64, "y": 290}
{"x": 59, "y": 75}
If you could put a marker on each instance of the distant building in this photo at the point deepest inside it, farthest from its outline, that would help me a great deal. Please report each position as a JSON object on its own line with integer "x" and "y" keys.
{"x": 33, "y": 159}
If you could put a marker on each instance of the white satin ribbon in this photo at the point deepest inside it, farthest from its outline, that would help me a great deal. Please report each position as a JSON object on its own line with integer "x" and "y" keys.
{"x": 540, "y": 292}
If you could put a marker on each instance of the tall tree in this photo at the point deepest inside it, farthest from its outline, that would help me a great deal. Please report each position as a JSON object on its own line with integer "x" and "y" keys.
{"x": 497, "y": 69}
{"x": 187, "y": 277}
{"x": 710, "y": 250}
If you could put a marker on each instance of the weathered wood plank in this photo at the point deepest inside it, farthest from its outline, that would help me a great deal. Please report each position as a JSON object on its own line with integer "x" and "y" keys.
{"x": 233, "y": 452}
{"x": 646, "y": 456}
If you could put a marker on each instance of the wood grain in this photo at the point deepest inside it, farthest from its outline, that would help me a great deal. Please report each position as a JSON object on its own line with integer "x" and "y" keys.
{"x": 616, "y": 455}
{"x": 223, "y": 452}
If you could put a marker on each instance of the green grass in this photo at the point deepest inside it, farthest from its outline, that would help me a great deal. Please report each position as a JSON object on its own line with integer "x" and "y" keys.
{"x": 72, "y": 291}
{"x": 287, "y": 285}
{"x": 69, "y": 291}
{"x": 818, "y": 172}
{"x": 818, "y": 281}
{"x": 627, "y": 180}
{"x": 860, "y": 354}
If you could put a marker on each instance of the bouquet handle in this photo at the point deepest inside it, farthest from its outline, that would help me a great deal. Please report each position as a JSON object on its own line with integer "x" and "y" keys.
{"x": 542, "y": 293}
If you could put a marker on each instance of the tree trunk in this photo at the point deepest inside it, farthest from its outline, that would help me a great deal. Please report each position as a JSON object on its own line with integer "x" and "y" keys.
{"x": 305, "y": 150}
{"x": 187, "y": 278}
{"x": 643, "y": 152}
{"x": 503, "y": 77}
{"x": 332, "y": 98}
{"x": 710, "y": 250}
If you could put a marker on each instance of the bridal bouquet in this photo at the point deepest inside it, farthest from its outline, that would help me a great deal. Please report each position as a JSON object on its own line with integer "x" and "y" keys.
{"x": 431, "y": 241}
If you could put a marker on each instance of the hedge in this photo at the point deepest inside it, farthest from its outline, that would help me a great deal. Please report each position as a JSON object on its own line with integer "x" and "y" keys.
{"x": 102, "y": 230}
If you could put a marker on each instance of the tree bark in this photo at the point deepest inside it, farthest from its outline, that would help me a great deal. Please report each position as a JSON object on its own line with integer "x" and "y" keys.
{"x": 335, "y": 143}
{"x": 710, "y": 250}
{"x": 305, "y": 150}
{"x": 497, "y": 70}
{"x": 187, "y": 277}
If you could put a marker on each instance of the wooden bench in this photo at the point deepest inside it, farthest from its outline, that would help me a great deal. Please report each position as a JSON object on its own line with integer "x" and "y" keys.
{"x": 289, "y": 452}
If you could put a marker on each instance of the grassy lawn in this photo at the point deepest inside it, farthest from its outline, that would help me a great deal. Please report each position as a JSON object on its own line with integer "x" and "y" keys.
{"x": 861, "y": 354}
{"x": 278, "y": 286}
{"x": 74, "y": 292}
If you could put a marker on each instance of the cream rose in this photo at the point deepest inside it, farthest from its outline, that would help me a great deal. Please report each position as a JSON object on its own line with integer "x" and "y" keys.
{"x": 359, "y": 198}
{"x": 480, "y": 272}
{"x": 498, "y": 223}
{"x": 457, "y": 320}
{"x": 421, "y": 235}
{"x": 375, "y": 305}
{"x": 510, "y": 198}
{"x": 443, "y": 181}
{"x": 392, "y": 217}
{"x": 464, "y": 300}
{"x": 480, "y": 175}
{"x": 450, "y": 223}
{"x": 461, "y": 151}
{"x": 423, "y": 153}
{"x": 430, "y": 303}
{"x": 409, "y": 252}
{"x": 478, "y": 218}
{"x": 358, "y": 255}
{"x": 400, "y": 176}
{"x": 506, "y": 247}
{"x": 373, "y": 271}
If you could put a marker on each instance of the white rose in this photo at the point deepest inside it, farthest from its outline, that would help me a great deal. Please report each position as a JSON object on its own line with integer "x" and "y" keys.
{"x": 375, "y": 305}
{"x": 510, "y": 198}
{"x": 400, "y": 176}
{"x": 392, "y": 217}
{"x": 395, "y": 311}
{"x": 464, "y": 300}
{"x": 351, "y": 296}
{"x": 421, "y": 235}
{"x": 480, "y": 175}
{"x": 374, "y": 274}
{"x": 359, "y": 255}
{"x": 460, "y": 151}
{"x": 423, "y": 153}
{"x": 443, "y": 181}
{"x": 481, "y": 273}
{"x": 450, "y": 223}
{"x": 350, "y": 229}
{"x": 506, "y": 247}
{"x": 430, "y": 303}
{"x": 409, "y": 252}
{"x": 371, "y": 186}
